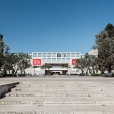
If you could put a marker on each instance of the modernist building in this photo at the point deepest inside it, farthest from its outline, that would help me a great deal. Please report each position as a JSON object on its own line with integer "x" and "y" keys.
{"x": 57, "y": 60}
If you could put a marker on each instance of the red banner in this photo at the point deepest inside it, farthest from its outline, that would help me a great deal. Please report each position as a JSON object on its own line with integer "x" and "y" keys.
{"x": 36, "y": 62}
{"x": 73, "y": 61}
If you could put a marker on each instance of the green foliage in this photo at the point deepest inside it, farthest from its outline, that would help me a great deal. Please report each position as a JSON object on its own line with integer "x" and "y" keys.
{"x": 13, "y": 61}
{"x": 23, "y": 62}
{"x": 24, "y": 73}
{"x": 105, "y": 46}
{"x": 10, "y": 75}
{"x": 46, "y": 66}
{"x": 1, "y": 50}
{"x": 13, "y": 72}
{"x": 112, "y": 74}
{"x": 9, "y": 61}
{"x": 93, "y": 74}
{"x": 88, "y": 63}
{"x": 36, "y": 66}
{"x": 80, "y": 64}
{"x": 4, "y": 71}
{"x": 65, "y": 66}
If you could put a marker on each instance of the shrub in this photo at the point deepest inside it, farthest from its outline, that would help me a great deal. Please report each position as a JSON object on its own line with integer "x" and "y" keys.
{"x": 112, "y": 74}
{"x": 36, "y": 66}
{"x": 10, "y": 75}
{"x": 13, "y": 72}
{"x": 4, "y": 71}
{"x": 96, "y": 74}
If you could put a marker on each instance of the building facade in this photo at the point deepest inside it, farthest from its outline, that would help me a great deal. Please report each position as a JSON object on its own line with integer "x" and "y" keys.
{"x": 58, "y": 61}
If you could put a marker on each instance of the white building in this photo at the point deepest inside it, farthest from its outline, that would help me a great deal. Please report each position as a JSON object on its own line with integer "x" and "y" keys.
{"x": 56, "y": 59}
{"x": 94, "y": 52}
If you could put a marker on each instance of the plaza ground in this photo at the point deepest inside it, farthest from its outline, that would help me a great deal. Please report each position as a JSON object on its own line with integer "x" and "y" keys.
{"x": 59, "y": 95}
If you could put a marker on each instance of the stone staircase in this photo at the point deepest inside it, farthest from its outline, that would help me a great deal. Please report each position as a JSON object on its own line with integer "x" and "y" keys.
{"x": 57, "y": 97}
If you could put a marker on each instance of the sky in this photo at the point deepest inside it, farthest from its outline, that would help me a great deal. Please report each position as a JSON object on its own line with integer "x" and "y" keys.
{"x": 53, "y": 25}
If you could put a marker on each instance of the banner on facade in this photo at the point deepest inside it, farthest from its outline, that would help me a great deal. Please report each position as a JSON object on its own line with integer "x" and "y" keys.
{"x": 73, "y": 61}
{"x": 36, "y": 62}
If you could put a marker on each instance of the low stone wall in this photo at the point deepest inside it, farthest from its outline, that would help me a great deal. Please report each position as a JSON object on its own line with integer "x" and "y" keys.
{"x": 6, "y": 87}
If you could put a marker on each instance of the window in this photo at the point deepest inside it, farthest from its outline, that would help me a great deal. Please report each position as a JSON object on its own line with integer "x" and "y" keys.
{"x": 49, "y": 55}
{"x": 53, "y": 54}
{"x": 34, "y": 54}
{"x": 72, "y": 54}
{"x": 77, "y": 54}
{"x": 53, "y": 60}
{"x": 58, "y": 59}
{"x": 39, "y": 54}
{"x": 68, "y": 60}
{"x": 63, "y": 59}
{"x": 58, "y": 54}
{"x": 63, "y": 54}
{"x": 48, "y": 59}
{"x": 44, "y": 60}
{"x": 68, "y": 54}
{"x": 44, "y": 54}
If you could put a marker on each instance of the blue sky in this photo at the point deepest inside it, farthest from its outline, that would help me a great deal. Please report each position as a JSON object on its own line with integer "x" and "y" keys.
{"x": 53, "y": 25}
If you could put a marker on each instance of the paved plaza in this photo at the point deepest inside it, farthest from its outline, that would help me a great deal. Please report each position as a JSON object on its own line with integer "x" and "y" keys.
{"x": 59, "y": 95}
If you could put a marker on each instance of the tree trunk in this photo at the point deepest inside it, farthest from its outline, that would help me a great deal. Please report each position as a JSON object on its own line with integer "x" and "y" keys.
{"x": 9, "y": 71}
{"x": 21, "y": 71}
{"x": 87, "y": 71}
{"x": 102, "y": 70}
{"x": 109, "y": 69}
{"x": 48, "y": 71}
{"x": 93, "y": 70}
{"x": 82, "y": 72}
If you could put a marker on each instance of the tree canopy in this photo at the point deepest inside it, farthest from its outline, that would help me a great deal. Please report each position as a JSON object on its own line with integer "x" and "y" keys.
{"x": 105, "y": 46}
{"x": 1, "y": 50}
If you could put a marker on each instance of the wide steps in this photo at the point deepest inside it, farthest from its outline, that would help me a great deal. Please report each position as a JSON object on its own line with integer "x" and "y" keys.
{"x": 56, "y": 89}
{"x": 57, "y": 96}
{"x": 59, "y": 86}
{"x": 57, "y": 110}
{"x": 58, "y": 101}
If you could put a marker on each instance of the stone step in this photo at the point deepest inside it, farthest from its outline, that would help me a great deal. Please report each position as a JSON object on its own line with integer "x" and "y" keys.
{"x": 58, "y": 94}
{"x": 46, "y": 95}
{"x": 55, "y": 102}
{"x": 56, "y": 85}
{"x": 56, "y": 89}
{"x": 57, "y": 109}
{"x": 56, "y": 82}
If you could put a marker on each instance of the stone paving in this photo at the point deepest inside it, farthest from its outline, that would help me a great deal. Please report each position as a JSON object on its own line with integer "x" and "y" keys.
{"x": 59, "y": 95}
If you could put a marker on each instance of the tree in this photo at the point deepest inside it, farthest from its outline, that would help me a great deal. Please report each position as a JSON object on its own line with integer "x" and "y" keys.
{"x": 23, "y": 62}
{"x": 105, "y": 46}
{"x": 46, "y": 66}
{"x": 87, "y": 62}
{"x": 8, "y": 60}
{"x": 93, "y": 63}
{"x": 66, "y": 66}
{"x": 1, "y": 50}
{"x": 4, "y": 70}
{"x": 16, "y": 61}
{"x": 80, "y": 64}
{"x": 13, "y": 72}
